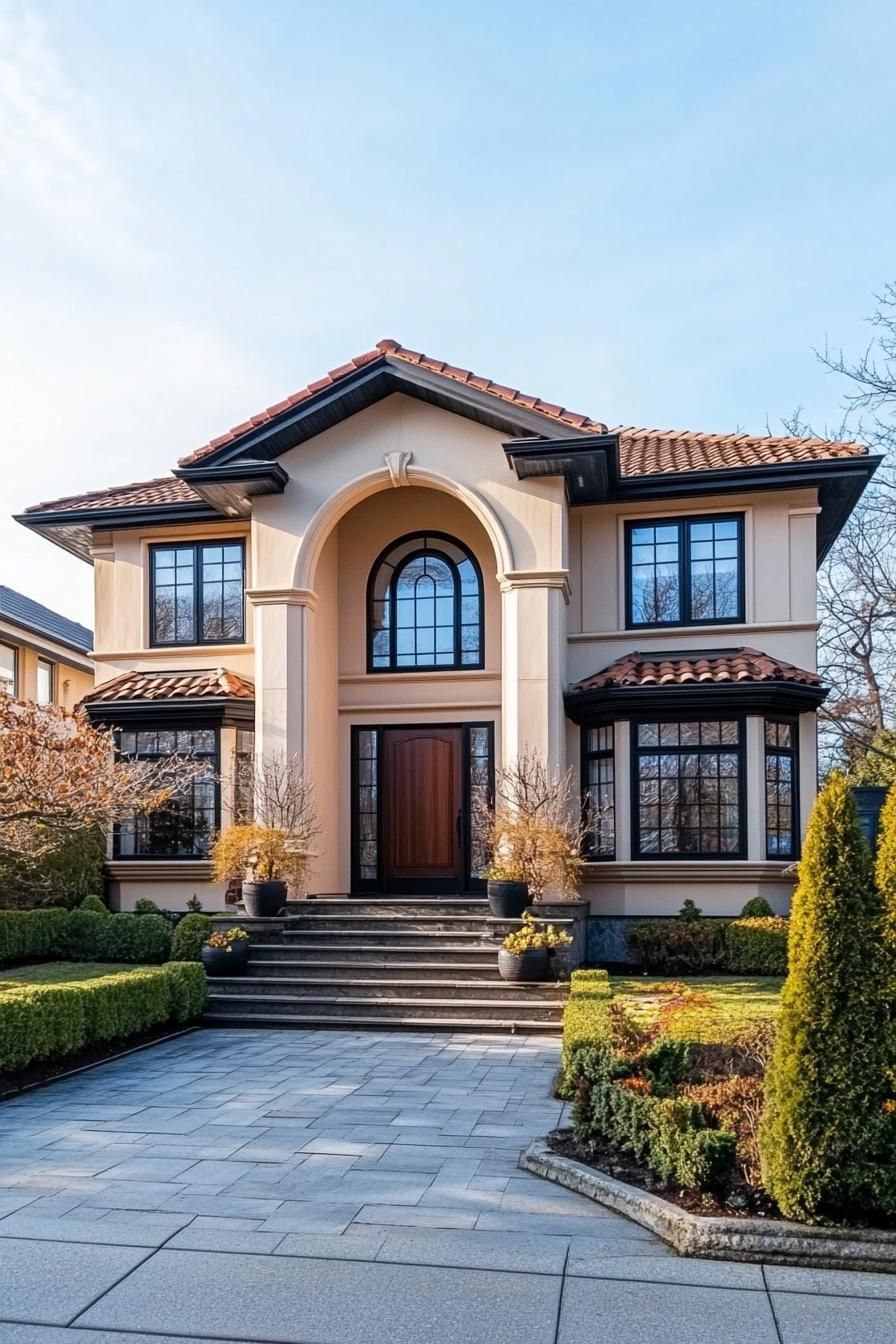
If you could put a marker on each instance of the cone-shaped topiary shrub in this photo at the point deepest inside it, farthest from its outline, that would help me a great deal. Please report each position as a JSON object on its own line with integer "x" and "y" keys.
{"x": 756, "y": 908}
{"x": 885, "y": 874}
{"x": 94, "y": 903}
{"x": 827, "y": 1137}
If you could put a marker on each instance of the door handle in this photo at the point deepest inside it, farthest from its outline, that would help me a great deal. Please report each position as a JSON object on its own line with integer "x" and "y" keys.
{"x": 459, "y": 827}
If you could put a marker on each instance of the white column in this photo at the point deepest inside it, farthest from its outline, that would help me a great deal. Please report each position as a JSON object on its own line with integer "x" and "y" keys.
{"x": 282, "y": 619}
{"x": 755, "y": 768}
{"x": 533, "y": 608}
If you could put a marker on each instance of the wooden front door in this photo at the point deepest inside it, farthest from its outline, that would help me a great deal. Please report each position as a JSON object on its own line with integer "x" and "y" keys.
{"x": 423, "y": 811}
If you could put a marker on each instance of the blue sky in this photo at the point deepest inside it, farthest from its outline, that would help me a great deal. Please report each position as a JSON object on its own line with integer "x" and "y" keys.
{"x": 650, "y": 213}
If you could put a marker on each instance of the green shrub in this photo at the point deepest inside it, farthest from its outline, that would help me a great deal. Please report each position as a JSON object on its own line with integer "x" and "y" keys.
{"x": 669, "y": 1135}
{"x": 44, "y": 1021}
{"x": 138, "y": 938}
{"x": 827, "y": 1139}
{"x": 885, "y": 876}
{"x": 80, "y": 933}
{"x": 677, "y": 946}
{"x": 666, "y": 1064}
{"x": 146, "y": 907}
{"x": 586, "y": 1025}
{"x": 757, "y": 946}
{"x": 191, "y": 932}
{"x": 590, "y": 983}
{"x": 94, "y": 903}
{"x": 756, "y": 908}
{"x": 63, "y": 877}
{"x": 30, "y": 935}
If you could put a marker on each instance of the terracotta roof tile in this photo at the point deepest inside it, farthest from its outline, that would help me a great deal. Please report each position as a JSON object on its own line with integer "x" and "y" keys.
{"x": 641, "y": 451}
{"x": 694, "y": 669}
{"x": 162, "y": 490}
{"x": 396, "y": 351}
{"x": 215, "y": 683}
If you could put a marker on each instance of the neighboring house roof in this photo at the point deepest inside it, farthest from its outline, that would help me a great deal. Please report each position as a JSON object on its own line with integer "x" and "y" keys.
{"x": 40, "y": 620}
{"x": 211, "y": 684}
{"x": 723, "y": 666}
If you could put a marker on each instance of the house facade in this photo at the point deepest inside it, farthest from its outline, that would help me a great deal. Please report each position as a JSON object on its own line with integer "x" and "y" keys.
{"x": 407, "y": 574}
{"x": 43, "y": 656}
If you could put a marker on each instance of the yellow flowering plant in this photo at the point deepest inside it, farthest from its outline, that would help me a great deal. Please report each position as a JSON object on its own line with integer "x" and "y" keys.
{"x": 225, "y": 941}
{"x": 533, "y": 935}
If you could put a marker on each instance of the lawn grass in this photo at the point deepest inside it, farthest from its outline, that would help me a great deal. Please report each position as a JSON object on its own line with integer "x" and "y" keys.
{"x": 723, "y": 1006}
{"x": 57, "y": 973}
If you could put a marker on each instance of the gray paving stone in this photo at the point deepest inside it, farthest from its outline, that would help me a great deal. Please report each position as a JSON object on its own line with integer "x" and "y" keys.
{"x": 476, "y": 1250}
{"x": 414, "y": 1216}
{"x": 836, "y": 1282}
{"x": 311, "y": 1216}
{"x": 224, "y": 1239}
{"x": 331, "y": 1302}
{"x": 809, "y": 1318}
{"x": 599, "y": 1262}
{"x": 560, "y": 1225}
{"x": 664, "y": 1314}
{"x": 93, "y": 1231}
{"x": 50, "y": 1284}
{"x": 354, "y": 1244}
{"x": 52, "y": 1334}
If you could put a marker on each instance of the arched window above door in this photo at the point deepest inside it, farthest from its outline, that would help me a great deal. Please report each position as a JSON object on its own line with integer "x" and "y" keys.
{"x": 424, "y": 606}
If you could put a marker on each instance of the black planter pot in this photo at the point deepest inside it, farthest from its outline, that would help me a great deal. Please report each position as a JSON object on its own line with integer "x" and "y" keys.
{"x": 221, "y": 961}
{"x": 264, "y": 900}
{"x": 532, "y": 965}
{"x": 507, "y": 900}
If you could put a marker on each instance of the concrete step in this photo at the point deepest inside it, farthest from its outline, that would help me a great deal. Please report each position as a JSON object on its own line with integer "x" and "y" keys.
{"x": 437, "y": 922}
{"x": 312, "y": 1021}
{"x": 386, "y": 987}
{"x": 397, "y": 937}
{"x": 355, "y": 1005}
{"x": 400, "y": 952}
{"x": 460, "y": 967}
{"x": 384, "y": 905}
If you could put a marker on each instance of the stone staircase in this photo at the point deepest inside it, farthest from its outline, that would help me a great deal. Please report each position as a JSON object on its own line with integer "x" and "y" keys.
{"x": 424, "y": 964}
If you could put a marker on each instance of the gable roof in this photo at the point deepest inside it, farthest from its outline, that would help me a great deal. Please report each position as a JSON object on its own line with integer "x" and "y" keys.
{"x": 40, "y": 620}
{"x": 219, "y": 478}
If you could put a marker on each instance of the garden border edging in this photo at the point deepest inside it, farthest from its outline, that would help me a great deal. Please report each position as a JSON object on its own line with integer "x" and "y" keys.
{"x": 753, "y": 1239}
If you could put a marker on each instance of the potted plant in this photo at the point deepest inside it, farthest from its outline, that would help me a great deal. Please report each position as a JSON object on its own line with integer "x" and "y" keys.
{"x": 534, "y": 834}
{"x": 508, "y": 896}
{"x": 226, "y": 953}
{"x": 267, "y": 850}
{"x": 523, "y": 955}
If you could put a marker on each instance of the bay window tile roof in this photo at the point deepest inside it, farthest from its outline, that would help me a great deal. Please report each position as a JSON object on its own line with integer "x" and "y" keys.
{"x": 731, "y": 666}
{"x": 216, "y": 683}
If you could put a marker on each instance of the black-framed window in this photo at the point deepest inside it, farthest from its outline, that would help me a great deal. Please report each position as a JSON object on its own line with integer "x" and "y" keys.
{"x": 689, "y": 789}
{"x": 781, "y": 833}
{"x": 197, "y": 593}
{"x": 185, "y": 826}
{"x": 599, "y": 774}
{"x": 8, "y": 669}
{"x": 685, "y": 571}
{"x": 366, "y": 787}
{"x": 479, "y": 744}
{"x": 424, "y": 606}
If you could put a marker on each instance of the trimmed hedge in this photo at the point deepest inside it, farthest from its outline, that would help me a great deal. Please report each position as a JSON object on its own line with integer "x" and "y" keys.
{"x": 757, "y": 946}
{"x": 586, "y": 1024}
{"x": 668, "y": 1134}
{"x": 678, "y": 946}
{"x": 191, "y": 932}
{"x": 29, "y": 935}
{"x": 45, "y": 1021}
{"x": 82, "y": 935}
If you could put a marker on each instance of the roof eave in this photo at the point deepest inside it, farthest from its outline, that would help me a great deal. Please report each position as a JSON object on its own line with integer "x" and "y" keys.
{"x": 369, "y": 384}
{"x": 757, "y": 697}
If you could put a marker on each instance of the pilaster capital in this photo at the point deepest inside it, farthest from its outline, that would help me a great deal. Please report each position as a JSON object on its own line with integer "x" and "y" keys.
{"x": 282, "y": 597}
{"x": 513, "y": 579}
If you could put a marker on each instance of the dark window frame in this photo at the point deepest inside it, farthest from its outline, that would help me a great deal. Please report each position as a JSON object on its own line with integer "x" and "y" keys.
{"x": 197, "y": 548}
{"x": 376, "y": 886}
{"x": 456, "y": 665}
{"x": 15, "y": 667}
{"x": 586, "y": 756}
{"x": 214, "y": 758}
{"x": 793, "y": 753}
{"x": 683, "y": 523}
{"x": 635, "y": 751}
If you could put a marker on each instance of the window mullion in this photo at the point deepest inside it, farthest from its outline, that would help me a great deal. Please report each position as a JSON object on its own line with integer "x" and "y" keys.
{"x": 684, "y": 551}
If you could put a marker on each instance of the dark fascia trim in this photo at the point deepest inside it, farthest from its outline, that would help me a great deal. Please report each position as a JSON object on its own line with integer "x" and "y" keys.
{"x": 214, "y": 711}
{"x": 839, "y": 481}
{"x": 610, "y": 703}
{"x": 369, "y": 384}
{"x": 121, "y": 516}
{"x": 589, "y": 465}
{"x": 259, "y": 477}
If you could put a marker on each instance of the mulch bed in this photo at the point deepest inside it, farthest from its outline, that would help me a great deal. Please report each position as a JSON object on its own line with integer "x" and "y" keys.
{"x": 740, "y": 1201}
{"x": 46, "y": 1070}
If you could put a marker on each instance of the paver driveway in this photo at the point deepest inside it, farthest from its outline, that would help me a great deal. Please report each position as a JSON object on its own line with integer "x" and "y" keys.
{"x": 343, "y": 1188}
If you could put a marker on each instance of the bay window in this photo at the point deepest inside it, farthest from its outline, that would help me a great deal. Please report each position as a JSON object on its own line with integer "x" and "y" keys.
{"x": 688, "y": 778}
{"x": 185, "y": 826}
